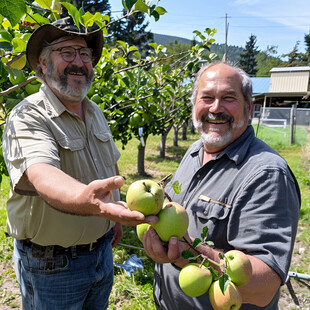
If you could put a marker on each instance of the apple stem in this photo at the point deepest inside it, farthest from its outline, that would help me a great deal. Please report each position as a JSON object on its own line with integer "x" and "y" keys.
{"x": 147, "y": 189}
{"x": 167, "y": 196}
{"x": 204, "y": 257}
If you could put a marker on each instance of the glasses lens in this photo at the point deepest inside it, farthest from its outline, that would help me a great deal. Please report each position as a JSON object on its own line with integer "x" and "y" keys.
{"x": 68, "y": 53}
{"x": 85, "y": 54}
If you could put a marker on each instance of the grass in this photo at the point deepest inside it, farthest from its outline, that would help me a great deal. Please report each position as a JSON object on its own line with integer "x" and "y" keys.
{"x": 135, "y": 292}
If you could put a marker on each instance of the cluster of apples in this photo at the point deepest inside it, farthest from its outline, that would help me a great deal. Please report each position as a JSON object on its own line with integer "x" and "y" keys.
{"x": 196, "y": 279}
{"x": 147, "y": 197}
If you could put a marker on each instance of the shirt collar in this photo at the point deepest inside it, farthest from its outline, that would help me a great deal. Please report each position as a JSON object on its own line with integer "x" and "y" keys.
{"x": 236, "y": 151}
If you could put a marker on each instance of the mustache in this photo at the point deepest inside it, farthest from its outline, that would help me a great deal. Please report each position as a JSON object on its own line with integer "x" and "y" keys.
{"x": 75, "y": 69}
{"x": 216, "y": 117}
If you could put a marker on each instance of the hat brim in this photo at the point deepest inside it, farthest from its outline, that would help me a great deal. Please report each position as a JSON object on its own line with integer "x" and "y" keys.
{"x": 48, "y": 33}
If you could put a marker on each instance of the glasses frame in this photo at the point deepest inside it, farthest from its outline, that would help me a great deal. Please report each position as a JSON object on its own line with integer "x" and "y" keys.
{"x": 59, "y": 50}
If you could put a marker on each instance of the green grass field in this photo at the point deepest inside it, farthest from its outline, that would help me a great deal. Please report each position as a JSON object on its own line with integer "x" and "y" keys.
{"x": 135, "y": 292}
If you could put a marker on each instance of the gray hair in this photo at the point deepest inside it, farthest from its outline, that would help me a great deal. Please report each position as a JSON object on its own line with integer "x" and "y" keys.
{"x": 45, "y": 54}
{"x": 246, "y": 86}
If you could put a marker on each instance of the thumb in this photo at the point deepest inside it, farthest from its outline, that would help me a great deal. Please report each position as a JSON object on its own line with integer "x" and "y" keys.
{"x": 107, "y": 185}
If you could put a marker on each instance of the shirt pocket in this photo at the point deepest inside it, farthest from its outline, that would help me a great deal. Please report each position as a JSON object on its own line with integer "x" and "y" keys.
{"x": 107, "y": 148}
{"x": 71, "y": 152}
{"x": 214, "y": 214}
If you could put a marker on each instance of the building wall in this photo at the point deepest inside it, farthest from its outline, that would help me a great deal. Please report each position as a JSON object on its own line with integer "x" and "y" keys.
{"x": 286, "y": 82}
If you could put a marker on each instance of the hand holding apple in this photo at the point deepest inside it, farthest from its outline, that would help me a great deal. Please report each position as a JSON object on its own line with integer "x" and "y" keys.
{"x": 145, "y": 196}
{"x": 172, "y": 221}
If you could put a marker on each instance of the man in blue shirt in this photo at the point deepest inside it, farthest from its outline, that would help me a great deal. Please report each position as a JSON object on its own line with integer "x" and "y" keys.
{"x": 236, "y": 185}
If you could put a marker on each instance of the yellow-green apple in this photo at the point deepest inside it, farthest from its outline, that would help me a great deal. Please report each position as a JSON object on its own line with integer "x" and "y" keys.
{"x": 239, "y": 267}
{"x": 195, "y": 280}
{"x": 141, "y": 229}
{"x": 172, "y": 221}
{"x": 230, "y": 300}
{"x": 145, "y": 196}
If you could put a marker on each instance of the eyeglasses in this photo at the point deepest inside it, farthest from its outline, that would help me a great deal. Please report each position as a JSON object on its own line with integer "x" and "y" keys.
{"x": 68, "y": 53}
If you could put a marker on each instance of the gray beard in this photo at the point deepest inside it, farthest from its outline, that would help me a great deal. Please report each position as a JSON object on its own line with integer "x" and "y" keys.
{"x": 209, "y": 139}
{"x": 75, "y": 94}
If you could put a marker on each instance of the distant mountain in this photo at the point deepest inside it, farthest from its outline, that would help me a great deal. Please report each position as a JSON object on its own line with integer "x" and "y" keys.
{"x": 165, "y": 39}
{"x": 233, "y": 52}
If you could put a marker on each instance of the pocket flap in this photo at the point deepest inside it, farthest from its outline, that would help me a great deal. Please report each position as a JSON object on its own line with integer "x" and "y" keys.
{"x": 71, "y": 144}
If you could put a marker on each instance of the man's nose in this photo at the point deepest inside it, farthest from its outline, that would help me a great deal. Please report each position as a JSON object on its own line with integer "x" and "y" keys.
{"x": 77, "y": 59}
{"x": 216, "y": 106}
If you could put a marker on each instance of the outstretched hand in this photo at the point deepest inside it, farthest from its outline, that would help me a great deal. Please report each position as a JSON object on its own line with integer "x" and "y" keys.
{"x": 98, "y": 194}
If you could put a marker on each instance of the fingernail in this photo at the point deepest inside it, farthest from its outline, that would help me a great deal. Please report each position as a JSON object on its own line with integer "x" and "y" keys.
{"x": 173, "y": 240}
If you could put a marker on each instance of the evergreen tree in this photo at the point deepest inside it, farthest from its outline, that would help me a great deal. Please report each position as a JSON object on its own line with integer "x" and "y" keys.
{"x": 133, "y": 31}
{"x": 295, "y": 58}
{"x": 247, "y": 60}
{"x": 92, "y": 6}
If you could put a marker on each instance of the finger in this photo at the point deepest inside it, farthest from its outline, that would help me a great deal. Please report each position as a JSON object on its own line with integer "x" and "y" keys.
{"x": 174, "y": 249}
{"x": 108, "y": 184}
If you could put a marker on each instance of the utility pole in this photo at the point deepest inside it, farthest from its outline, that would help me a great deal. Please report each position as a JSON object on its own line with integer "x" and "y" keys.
{"x": 226, "y": 34}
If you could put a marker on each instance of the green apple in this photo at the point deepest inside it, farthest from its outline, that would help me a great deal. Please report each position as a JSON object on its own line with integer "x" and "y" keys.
{"x": 31, "y": 88}
{"x": 195, "y": 281}
{"x": 145, "y": 196}
{"x": 172, "y": 221}
{"x": 141, "y": 229}
{"x": 239, "y": 267}
{"x": 230, "y": 300}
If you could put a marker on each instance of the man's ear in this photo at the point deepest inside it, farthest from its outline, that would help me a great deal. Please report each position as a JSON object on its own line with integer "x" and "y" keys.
{"x": 43, "y": 64}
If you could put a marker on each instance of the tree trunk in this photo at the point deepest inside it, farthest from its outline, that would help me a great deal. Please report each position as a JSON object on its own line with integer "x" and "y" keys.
{"x": 175, "y": 135}
{"x": 192, "y": 128}
{"x": 141, "y": 156}
{"x": 184, "y": 131}
{"x": 162, "y": 151}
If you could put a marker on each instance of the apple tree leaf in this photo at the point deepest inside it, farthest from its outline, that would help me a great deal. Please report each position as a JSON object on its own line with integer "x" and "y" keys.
{"x": 13, "y": 10}
{"x": 210, "y": 243}
{"x": 204, "y": 232}
{"x": 215, "y": 273}
{"x": 197, "y": 242}
{"x": 189, "y": 255}
{"x": 176, "y": 186}
{"x": 224, "y": 282}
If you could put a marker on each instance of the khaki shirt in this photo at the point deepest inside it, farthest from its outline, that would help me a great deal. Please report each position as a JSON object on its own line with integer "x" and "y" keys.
{"x": 41, "y": 130}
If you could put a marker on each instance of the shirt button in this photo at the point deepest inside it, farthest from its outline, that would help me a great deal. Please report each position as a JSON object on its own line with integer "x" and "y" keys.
{"x": 198, "y": 176}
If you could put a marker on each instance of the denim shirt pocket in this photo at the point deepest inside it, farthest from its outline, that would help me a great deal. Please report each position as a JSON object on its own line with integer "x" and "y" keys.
{"x": 214, "y": 214}
{"x": 208, "y": 208}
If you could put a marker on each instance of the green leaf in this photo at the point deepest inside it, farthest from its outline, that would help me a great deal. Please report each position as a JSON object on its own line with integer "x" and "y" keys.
{"x": 188, "y": 254}
{"x": 53, "y": 5}
{"x": 160, "y": 10}
{"x": 36, "y": 18}
{"x": 13, "y": 10}
{"x": 176, "y": 186}
{"x": 155, "y": 15}
{"x": 141, "y": 6}
{"x": 197, "y": 242}
{"x": 204, "y": 232}
{"x": 129, "y": 4}
{"x": 210, "y": 243}
{"x": 224, "y": 282}
{"x": 5, "y": 36}
{"x": 72, "y": 10}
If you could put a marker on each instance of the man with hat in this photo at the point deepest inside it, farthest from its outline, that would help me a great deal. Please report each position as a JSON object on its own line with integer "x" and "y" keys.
{"x": 64, "y": 210}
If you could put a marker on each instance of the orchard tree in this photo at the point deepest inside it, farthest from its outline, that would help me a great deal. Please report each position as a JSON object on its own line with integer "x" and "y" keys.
{"x": 247, "y": 60}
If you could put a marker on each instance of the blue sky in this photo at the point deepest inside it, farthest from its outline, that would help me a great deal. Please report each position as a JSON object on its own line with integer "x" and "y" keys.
{"x": 279, "y": 23}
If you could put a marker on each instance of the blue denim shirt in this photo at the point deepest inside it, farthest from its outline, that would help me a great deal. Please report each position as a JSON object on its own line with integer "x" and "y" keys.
{"x": 249, "y": 199}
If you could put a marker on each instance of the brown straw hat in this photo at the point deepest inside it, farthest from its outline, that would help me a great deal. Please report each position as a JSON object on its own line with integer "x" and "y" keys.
{"x": 64, "y": 27}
